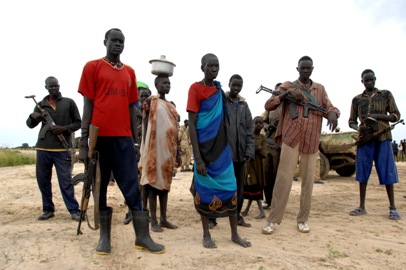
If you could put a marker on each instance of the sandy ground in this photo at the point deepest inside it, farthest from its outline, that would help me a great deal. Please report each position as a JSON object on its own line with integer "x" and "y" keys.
{"x": 336, "y": 240}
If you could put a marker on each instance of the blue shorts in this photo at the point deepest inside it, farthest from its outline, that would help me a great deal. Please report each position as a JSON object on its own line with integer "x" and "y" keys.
{"x": 382, "y": 154}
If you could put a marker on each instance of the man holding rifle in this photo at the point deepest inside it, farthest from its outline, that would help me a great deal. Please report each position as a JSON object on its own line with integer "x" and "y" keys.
{"x": 298, "y": 132}
{"x": 60, "y": 117}
{"x": 109, "y": 89}
{"x": 375, "y": 109}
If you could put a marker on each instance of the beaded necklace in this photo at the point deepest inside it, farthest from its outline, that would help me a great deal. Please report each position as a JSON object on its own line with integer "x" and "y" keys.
{"x": 115, "y": 65}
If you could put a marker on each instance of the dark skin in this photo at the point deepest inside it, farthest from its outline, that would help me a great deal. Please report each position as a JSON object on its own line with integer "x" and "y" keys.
{"x": 114, "y": 47}
{"x": 369, "y": 79}
{"x": 235, "y": 88}
{"x": 163, "y": 86}
{"x": 143, "y": 94}
{"x": 258, "y": 126}
{"x": 52, "y": 86}
{"x": 210, "y": 69}
{"x": 305, "y": 69}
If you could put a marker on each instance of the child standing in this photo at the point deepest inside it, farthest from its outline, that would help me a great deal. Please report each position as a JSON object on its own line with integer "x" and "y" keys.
{"x": 254, "y": 172}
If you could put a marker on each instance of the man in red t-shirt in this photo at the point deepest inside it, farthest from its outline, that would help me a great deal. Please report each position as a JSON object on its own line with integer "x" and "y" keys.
{"x": 109, "y": 89}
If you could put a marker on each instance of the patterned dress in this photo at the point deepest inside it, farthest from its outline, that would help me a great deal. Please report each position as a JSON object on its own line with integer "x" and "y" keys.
{"x": 215, "y": 193}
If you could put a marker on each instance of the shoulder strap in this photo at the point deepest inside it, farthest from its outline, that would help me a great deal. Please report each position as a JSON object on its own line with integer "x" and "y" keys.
{"x": 307, "y": 93}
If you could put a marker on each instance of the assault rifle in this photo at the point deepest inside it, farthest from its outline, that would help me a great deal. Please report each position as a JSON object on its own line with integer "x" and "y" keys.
{"x": 48, "y": 123}
{"x": 307, "y": 105}
{"x": 366, "y": 139}
{"x": 90, "y": 181}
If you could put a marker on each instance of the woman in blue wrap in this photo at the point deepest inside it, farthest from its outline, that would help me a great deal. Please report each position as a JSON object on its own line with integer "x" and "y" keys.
{"x": 214, "y": 185}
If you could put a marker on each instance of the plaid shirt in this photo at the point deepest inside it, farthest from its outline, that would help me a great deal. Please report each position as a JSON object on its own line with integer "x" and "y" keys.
{"x": 305, "y": 131}
{"x": 380, "y": 102}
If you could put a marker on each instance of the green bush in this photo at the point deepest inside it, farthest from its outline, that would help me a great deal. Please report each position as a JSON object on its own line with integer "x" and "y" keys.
{"x": 15, "y": 158}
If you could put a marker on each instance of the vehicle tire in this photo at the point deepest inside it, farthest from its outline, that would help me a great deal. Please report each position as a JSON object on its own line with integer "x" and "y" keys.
{"x": 324, "y": 166}
{"x": 346, "y": 171}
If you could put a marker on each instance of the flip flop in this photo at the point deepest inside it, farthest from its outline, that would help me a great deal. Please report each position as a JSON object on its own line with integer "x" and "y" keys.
{"x": 394, "y": 215}
{"x": 358, "y": 212}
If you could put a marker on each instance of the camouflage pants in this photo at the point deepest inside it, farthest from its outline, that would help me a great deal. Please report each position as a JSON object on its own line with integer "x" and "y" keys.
{"x": 186, "y": 156}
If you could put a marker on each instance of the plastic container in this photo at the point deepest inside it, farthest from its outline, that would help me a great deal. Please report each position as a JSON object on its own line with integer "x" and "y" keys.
{"x": 162, "y": 66}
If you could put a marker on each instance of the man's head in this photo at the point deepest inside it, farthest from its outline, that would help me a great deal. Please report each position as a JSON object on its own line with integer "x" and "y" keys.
{"x": 235, "y": 85}
{"x": 368, "y": 79}
{"x": 186, "y": 122}
{"x": 277, "y": 86}
{"x": 305, "y": 68}
{"x": 52, "y": 85}
{"x": 210, "y": 66}
{"x": 162, "y": 84}
{"x": 114, "y": 42}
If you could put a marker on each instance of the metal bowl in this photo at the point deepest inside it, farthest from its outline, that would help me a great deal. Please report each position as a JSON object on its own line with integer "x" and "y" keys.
{"x": 162, "y": 66}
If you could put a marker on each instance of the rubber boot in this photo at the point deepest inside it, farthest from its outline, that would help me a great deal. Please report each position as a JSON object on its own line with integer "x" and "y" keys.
{"x": 104, "y": 247}
{"x": 142, "y": 238}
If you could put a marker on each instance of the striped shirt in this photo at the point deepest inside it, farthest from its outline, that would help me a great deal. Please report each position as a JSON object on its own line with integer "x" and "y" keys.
{"x": 305, "y": 131}
{"x": 380, "y": 102}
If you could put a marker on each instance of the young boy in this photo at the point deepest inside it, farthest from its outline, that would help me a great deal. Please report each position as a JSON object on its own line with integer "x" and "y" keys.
{"x": 374, "y": 108}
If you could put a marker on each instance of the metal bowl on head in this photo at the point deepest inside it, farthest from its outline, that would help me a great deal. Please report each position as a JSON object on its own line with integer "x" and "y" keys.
{"x": 162, "y": 66}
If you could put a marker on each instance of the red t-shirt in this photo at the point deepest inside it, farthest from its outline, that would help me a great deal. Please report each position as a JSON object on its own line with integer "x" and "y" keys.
{"x": 111, "y": 90}
{"x": 197, "y": 93}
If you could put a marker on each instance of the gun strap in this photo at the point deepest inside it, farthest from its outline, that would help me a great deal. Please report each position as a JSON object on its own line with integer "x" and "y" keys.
{"x": 307, "y": 93}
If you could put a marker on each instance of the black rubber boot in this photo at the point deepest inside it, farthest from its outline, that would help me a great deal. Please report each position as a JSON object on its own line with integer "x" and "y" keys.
{"x": 104, "y": 247}
{"x": 142, "y": 238}
{"x": 128, "y": 217}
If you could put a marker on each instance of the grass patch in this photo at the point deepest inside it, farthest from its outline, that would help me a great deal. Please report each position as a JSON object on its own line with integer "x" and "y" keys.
{"x": 334, "y": 253}
{"x": 9, "y": 158}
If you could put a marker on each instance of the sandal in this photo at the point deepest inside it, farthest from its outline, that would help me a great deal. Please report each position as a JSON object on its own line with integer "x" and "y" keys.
{"x": 358, "y": 212}
{"x": 394, "y": 215}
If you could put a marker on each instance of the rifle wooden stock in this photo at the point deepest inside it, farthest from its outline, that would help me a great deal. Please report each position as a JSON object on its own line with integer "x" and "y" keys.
{"x": 93, "y": 133}
{"x": 372, "y": 137}
{"x": 376, "y": 134}
{"x": 90, "y": 172}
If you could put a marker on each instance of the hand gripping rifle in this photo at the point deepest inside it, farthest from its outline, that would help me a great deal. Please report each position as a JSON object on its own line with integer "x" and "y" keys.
{"x": 48, "y": 122}
{"x": 91, "y": 181}
{"x": 366, "y": 139}
{"x": 307, "y": 105}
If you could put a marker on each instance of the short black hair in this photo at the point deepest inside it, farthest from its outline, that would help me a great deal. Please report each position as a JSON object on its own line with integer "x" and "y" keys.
{"x": 367, "y": 71}
{"x": 236, "y": 76}
{"x": 106, "y": 36}
{"x": 160, "y": 77}
{"x": 207, "y": 55}
{"x": 50, "y": 78}
{"x": 277, "y": 85}
{"x": 258, "y": 117}
{"x": 304, "y": 58}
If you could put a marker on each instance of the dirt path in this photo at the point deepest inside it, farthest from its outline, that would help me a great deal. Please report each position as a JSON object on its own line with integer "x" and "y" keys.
{"x": 336, "y": 240}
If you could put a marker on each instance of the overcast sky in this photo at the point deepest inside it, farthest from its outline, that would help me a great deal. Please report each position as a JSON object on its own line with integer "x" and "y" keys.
{"x": 260, "y": 40}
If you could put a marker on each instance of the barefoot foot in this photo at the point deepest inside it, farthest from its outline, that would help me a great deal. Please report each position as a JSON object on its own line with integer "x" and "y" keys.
{"x": 167, "y": 224}
{"x": 242, "y": 222}
{"x": 238, "y": 240}
{"x": 260, "y": 215}
{"x": 156, "y": 228}
{"x": 208, "y": 243}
